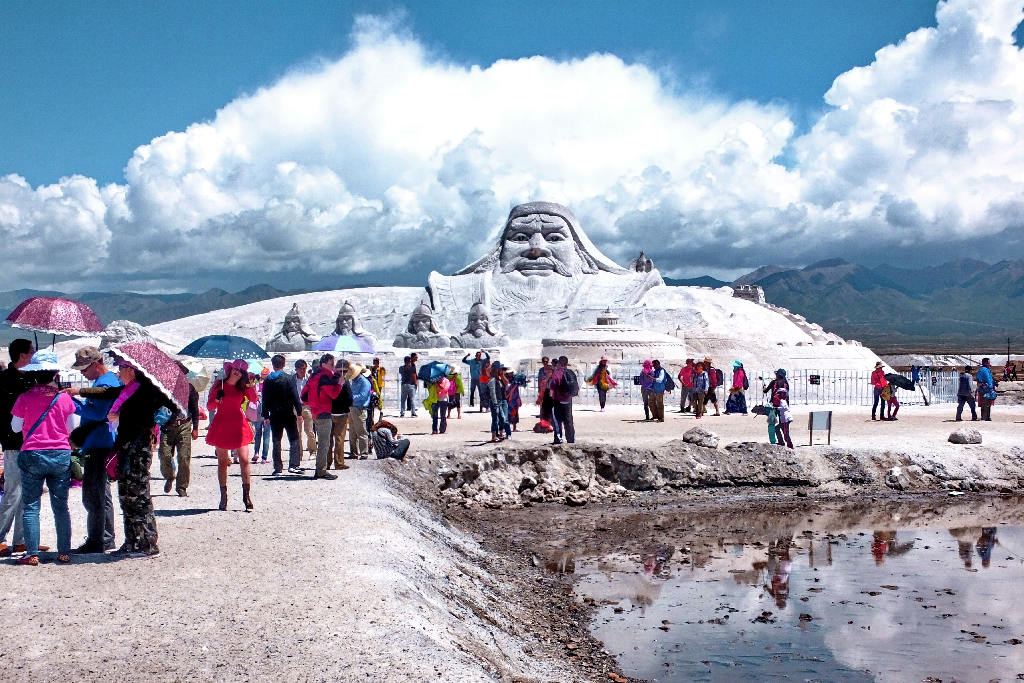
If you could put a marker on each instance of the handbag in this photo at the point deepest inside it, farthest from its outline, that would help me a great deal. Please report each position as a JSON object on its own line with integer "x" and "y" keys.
{"x": 636, "y": 380}
{"x": 162, "y": 415}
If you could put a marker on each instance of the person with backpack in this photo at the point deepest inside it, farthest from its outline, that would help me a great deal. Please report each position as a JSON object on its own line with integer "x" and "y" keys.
{"x": 986, "y": 389}
{"x": 656, "y": 398}
{"x": 715, "y": 379}
{"x": 563, "y": 386}
{"x": 601, "y": 379}
{"x": 737, "y": 401}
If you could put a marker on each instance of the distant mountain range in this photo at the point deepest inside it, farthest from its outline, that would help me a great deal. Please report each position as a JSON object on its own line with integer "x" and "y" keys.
{"x": 145, "y": 309}
{"x": 960, "y": 305}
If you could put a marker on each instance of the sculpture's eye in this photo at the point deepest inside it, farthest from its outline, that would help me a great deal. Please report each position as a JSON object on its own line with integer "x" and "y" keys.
{"x": 520, "y": 237}
{"x": 555, "y": 237}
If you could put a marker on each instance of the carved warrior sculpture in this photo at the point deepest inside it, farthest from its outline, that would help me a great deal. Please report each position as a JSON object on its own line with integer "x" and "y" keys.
{"x": 422, "y": 331}
{"x": 295, "y": 335}
{"x": 347, "y": 323}
{"x": 479, "y": 332}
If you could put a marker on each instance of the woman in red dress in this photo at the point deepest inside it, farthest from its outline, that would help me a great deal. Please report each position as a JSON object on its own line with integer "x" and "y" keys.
{"x": 229, "y": 429}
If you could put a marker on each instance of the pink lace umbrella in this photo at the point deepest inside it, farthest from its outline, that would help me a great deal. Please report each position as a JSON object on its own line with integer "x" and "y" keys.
{"x": 160, "y": 368}
{"x": 55, "y": 316}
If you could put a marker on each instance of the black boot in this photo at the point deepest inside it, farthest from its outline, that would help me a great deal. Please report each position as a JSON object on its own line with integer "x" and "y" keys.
{"x": 223, "y": 497}
{"x": 245, "y": 497}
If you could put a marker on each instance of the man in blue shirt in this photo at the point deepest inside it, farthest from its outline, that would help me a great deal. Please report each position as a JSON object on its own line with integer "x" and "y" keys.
{"x": 358, "y": 439}
{"x": 95, "y": 447}
{"x": 986, "y": 385}
{"x": 475, "y": 364}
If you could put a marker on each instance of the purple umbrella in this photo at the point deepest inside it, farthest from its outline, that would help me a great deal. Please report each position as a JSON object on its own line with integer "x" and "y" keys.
{"x": 160, "y": 368}
{"x": 345, "y": 343}
{"x": 53, "y": 315}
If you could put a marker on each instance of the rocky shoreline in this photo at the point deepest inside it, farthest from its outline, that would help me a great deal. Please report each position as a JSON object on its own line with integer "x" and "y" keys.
{"x": 517, "y": 476}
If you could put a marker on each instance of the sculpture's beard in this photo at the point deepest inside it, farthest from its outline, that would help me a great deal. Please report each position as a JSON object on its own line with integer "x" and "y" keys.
{"x": 514, "y": 291}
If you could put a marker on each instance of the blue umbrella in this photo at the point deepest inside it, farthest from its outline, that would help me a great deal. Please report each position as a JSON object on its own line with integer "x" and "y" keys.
{"x": 344, "y": 343}
{"x": 224, "y": 347}
{"x": 433, "y": 371}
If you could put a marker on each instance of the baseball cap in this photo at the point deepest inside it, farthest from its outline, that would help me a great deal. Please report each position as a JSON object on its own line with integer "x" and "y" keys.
{"x": 86, "y": 356}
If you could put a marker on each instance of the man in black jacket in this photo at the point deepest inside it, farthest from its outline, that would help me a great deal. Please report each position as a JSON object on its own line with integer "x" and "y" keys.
{"x": 281, "y": 405}
{"x": 13, "y": 383}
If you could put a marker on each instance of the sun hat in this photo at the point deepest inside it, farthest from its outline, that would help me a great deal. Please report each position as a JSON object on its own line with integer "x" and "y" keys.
{"x": 781, "y": 372}
{"x": 86, "y": 356}
{"x": 353, "y": 371}
{"x": 42, "y": 360}
{"x": 707, "y": 359}
{"x": 237, "y": 364}
{"x": 648, "y": 366}
{"x": 878, "y": 364}
{"x": 737, "y": 364}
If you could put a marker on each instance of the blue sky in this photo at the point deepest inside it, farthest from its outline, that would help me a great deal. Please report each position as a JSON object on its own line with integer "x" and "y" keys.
{"x": 86, "y": 83}
{"x": 226, "y": 144}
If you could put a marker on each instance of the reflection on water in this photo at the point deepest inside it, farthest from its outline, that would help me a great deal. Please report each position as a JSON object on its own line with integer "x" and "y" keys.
{"x": 896, "y": 604}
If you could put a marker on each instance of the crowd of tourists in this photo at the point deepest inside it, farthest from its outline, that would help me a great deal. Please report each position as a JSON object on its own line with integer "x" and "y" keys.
{"x": 109, "y": 430}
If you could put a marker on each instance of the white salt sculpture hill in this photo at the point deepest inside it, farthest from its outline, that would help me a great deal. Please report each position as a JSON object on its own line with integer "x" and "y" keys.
{"x": 545, "y": 279}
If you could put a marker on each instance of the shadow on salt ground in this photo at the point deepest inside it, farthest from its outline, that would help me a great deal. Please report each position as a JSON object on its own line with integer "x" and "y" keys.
{"x": 187, "y": 512}
{"x": 90, "y": 558}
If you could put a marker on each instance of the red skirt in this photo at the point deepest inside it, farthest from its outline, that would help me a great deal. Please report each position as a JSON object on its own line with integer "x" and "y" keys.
{"x": 229, "y": 429}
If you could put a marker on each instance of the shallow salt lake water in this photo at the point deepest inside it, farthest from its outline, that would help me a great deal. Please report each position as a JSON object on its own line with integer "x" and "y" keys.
{"x": 851, "y": 604}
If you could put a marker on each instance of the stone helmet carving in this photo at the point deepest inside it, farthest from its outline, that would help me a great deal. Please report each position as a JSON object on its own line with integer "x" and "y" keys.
{"x": 479, "y": 320}
{"x": 347, "y": 314}
{"x": 421, "y": 314}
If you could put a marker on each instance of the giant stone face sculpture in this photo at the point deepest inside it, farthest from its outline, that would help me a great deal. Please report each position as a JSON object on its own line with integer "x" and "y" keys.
{"x": 422, "y": 331}
{"x": 479, "y": 332}
{"x": 295, "y": 335}
{"x": 542, "y": 265}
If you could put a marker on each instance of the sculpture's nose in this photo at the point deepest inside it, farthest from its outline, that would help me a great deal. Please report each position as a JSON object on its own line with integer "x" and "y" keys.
{"x": 538, "y": 247}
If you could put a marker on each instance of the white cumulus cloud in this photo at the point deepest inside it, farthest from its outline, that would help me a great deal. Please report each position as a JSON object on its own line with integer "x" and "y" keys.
{"x": 390, "y": 161}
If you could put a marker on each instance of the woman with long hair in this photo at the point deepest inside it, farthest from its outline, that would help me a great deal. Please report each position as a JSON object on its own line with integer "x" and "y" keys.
{"x": 133, "y": 416}
{"x": 229, "y": 430}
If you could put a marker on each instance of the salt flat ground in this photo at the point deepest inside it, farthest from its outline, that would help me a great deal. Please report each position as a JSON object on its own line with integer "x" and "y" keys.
{"x": 335, "y": 580}
{"x": 919, "y": 428}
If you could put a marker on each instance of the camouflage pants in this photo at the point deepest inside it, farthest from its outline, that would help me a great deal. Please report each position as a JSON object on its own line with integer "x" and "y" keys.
{"x": 136, "y": 504}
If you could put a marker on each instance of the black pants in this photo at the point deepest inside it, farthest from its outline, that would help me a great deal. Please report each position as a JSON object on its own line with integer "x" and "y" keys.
{"x": 563, "y": 423}
{"x": 474, "y": 388}
{"x": 140, "y": 533}
{"x": 285, "y": 422}
{"x": 97, "y": 500}
{"x": 874, "y": 404}
{"x": 602, "y": 396}
{"x": 960, "y": 401}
